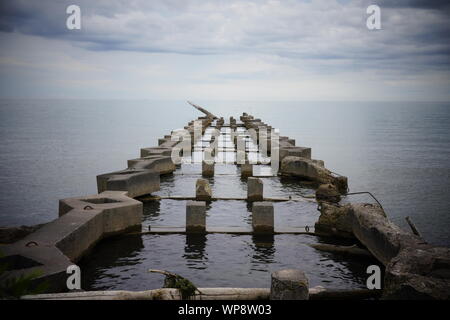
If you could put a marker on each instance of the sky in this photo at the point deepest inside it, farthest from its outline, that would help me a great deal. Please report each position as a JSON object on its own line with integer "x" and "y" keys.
{"x": 226, "y": 50}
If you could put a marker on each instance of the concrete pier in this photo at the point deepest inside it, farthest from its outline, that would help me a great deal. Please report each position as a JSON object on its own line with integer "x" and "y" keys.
{"x": 289, "y": 284}
{"x": 263, "y": 217}
{"x": 196, "y": 217}
{"x": 255, "y": 188}
{"x": 413, "y": 268}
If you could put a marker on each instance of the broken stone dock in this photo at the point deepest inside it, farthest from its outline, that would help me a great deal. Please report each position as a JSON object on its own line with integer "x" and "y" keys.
{"x": 413, "y": 268}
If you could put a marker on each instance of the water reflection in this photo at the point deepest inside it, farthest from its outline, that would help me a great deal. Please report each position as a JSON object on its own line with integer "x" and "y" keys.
{"x": 194, "y": 251}
{"x": 110, "y": 255}
{"x": 263, "y": 251}
{"x": 152, "y": 210}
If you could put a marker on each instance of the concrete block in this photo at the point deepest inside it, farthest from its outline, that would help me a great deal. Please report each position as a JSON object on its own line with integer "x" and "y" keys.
{"x": 335, "y": 220}
{"x": 289, "y": 284}
{"x": 207, "y": 169}
{"x": 82, "y": 223}
{"x": 306, "y": 169}
{"x": 328, "y": 193}
{"x": 262, "y": 217}
{"x": 301, "y": 152}
{"x": 254, "y": 189}
{"x": 203, "y": 190}
{"x": 137, "y": 182}
{"x": 161, "y": 164}
{"x": 169, "y": 144}
{"x": 156, "y": 151}
{"x": 196, "y": 217}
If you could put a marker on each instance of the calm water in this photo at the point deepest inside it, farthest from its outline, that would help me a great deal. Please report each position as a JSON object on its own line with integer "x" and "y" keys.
{"x": 54, "y": 149}
{"x": 399, "y": 151}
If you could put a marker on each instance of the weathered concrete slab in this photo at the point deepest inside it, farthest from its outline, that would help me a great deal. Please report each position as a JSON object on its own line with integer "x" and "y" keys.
{"x": 161, "y": 164}
{"x": 137, "y": 182}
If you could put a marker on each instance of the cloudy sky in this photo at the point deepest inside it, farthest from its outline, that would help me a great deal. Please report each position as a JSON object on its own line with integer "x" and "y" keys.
{"x": 225, "y": 50}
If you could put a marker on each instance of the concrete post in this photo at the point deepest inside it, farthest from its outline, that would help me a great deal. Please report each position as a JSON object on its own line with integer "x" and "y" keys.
{"x": 246, "y": 170}
{"x": 289, "y": 284}
{"x": 254, "y": 189}
{"x": 207, "y": 169}
{"x": 262, "y": 217}
{"x": 203, "y": 190}
{"x": 196, "y": 217}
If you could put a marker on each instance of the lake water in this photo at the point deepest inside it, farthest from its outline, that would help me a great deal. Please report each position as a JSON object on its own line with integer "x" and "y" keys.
{"x": 399, "y": 151}
{"x": 53, "y": 149}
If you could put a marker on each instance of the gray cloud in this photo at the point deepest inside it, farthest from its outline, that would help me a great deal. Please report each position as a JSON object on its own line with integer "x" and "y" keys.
{"x": 317, "y": 37}
{"x": 294, "y": 29}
